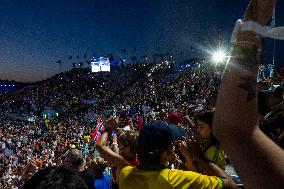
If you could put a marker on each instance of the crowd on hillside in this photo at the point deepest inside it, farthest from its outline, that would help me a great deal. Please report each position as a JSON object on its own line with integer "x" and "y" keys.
{"x": 149, "y": 125}
{"x": 136, "y": 93}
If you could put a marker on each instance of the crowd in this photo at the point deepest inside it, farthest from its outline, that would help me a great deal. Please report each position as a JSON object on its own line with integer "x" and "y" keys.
{"x": 158, "y": 128}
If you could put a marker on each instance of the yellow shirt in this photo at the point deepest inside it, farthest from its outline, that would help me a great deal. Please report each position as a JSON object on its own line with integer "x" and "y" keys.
{"x": 216, "y": 155}
{"x": 58, "y": 139}
{"x": 132, "y": 178}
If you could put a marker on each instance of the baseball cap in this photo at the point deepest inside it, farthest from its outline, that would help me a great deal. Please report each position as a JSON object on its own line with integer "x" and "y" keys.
{"x": 157, "y": 136}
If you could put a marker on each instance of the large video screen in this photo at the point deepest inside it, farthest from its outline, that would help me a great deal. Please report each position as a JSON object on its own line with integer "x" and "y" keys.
{"x": 100, "y": 64}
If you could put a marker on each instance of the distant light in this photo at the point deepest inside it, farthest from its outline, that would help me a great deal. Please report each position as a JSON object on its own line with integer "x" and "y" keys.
{"x": 219, "y": 57}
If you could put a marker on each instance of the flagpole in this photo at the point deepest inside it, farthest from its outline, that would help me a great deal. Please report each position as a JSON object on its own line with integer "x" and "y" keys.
{"x": 274, "y": 41}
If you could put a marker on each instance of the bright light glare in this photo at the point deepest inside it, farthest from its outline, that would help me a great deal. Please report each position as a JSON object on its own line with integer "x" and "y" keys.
{"x": 219, "y": 57}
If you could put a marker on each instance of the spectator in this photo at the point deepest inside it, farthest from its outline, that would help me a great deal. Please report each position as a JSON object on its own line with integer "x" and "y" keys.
{"x": 154, "y": 142}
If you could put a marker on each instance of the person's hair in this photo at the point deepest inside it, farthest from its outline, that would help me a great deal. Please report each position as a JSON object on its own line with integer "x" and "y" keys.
{"x": 74, "y": 157}
{"x": 99, "y": 165}
{"x": 56, "y": 178}
{"x": 207, "y": 117}
{"x": 129, "y": 139}
{"x": 150, "y": 159}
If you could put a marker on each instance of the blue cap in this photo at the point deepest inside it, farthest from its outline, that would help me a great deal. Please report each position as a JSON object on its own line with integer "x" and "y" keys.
{"x": 157, "y": 136}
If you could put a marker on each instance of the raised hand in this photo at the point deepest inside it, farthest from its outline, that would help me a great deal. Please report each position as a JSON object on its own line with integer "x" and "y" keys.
{"x": 260, "y": 11}
{"x": 112, "y": 123}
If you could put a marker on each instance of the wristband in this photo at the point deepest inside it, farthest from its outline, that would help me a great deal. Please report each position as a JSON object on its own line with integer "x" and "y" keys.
{"x": 264, "y": 31}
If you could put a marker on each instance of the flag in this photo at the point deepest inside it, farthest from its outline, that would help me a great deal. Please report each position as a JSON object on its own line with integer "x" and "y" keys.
{"x": 58, "y": 62}
{"x": 97, "y": 133}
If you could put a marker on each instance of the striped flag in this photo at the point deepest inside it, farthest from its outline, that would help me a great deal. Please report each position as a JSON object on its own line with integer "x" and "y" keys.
{"x": 97, "y": 133}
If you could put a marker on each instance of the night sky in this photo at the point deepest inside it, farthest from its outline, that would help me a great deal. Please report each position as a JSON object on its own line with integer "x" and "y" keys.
{"x": 35, "y": 34}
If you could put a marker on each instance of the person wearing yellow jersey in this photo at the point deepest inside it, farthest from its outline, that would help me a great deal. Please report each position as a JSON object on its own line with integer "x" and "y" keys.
{"x": 209, "y": 146}
{"x": 87, "y": 138}
{"x": 58, "y": 139}
{"x": 154, "y": 145}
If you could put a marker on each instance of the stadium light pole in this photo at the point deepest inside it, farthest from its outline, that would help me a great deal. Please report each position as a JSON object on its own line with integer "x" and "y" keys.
{"x": 218, "y": 57}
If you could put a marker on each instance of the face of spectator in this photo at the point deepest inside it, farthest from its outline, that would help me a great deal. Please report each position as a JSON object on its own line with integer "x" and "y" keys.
{"x": 123, "y": 150}
{"x": 203, "y": 130}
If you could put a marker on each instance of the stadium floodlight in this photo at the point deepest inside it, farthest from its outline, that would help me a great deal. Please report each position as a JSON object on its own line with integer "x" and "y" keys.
{"x": 218, "y": 57}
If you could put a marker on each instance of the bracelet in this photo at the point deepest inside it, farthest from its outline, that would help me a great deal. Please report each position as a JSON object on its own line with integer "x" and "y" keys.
{"x": 258, "y": 29}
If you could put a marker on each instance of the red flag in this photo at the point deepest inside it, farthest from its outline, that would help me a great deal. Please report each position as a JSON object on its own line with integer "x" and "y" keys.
{"x": 97, "y": 133}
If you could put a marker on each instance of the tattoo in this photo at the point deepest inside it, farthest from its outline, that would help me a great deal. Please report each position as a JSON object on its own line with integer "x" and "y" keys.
{"x": 247, "y": 61}
{"x": 249, "y": 86}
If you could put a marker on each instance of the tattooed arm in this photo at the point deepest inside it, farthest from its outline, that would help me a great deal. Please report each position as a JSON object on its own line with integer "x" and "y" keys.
{"x": 259, "y": 162}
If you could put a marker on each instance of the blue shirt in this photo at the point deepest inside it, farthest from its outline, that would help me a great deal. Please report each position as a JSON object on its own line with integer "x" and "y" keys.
{"x": 104, "y": 182}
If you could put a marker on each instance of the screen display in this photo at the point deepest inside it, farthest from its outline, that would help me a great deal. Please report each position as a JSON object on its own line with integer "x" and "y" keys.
{"x": 101, "y": 64}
